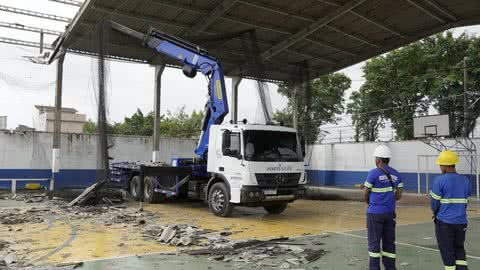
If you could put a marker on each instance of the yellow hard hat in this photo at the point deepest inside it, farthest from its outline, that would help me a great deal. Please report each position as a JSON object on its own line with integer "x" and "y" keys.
{"x": 447, "y": 158}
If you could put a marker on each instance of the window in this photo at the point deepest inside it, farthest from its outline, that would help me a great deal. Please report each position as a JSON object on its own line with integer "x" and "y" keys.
{"x": 231, "y": 144}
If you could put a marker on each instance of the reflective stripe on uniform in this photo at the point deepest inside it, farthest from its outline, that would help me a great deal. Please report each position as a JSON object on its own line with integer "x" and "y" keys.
{"x": 435, "y": 196}
{"x": 450, "y": 267}
{"x": 368, "y": 185}
{"x": 382, "y": 190}
{"x": 454, "y": 200}
{"x": 389, "y": 255}
{"x": 374, "y": 254}
{"x": 400, "y": 185}
{"x": 460, "y": 262}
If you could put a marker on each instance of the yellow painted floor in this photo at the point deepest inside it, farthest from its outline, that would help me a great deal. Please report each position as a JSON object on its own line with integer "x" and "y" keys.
{"x": 81, "y": 240}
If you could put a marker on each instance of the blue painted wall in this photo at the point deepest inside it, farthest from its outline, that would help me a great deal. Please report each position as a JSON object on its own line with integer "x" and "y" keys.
{"x": 65, "y": 179}
{"x": 347, "y": 179}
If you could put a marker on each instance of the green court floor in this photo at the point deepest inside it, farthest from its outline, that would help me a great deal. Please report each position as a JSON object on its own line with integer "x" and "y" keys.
{"x": 416, "y": 249}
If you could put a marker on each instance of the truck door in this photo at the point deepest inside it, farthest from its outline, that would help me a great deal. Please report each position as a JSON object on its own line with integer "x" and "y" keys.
{"x": 231, "y": 162}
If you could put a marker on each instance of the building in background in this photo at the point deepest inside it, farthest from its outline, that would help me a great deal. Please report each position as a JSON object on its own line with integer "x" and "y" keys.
{"x": 72, "y": 121}
{"x": 3, "y": 122}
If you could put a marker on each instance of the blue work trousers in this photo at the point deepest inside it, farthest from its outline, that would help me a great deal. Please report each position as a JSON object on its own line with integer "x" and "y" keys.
{"x": 381, "y": 240}
{"x": 451, "y": 239}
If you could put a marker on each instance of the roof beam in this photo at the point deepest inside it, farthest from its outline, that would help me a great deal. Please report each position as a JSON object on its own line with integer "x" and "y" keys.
{"x": 368, "y": 19}
{"x": 322, "y": 22}
{"x": 185, "y": 26}
{"x": 330, "y": 46}
{"x": 69, "y": 2}
{"x": 22, "y": 27}
{"x": 443, "y": 10}
{"x": 35, "y": 14}
{"x": 213, "y": 16}
{"x": 428, "y": 12}
{"x": 354, "y": 36}
{"x": 173, "y": 4}
{"x": 19, "y": 42}
{"x": 140, "y": 17}
{"x": 378, "y": 24}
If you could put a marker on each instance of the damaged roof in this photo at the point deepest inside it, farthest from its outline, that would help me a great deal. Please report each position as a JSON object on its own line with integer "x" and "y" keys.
{"x": 323, "y": 35}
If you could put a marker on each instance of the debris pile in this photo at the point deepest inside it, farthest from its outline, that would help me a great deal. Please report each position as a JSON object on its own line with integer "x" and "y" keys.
{"x": 57, "y": 209}
{"x": 176, "y": 234}
{"x": 8, "y": 258}
{"x": 278, "y": 253}
{"x": 20, "y": 216}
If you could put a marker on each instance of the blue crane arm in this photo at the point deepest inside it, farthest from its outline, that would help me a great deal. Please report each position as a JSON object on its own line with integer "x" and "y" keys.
{"x": 193, "y": 59}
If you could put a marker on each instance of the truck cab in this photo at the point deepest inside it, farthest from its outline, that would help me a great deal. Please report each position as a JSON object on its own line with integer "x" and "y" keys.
{"x": 254, "y": 165}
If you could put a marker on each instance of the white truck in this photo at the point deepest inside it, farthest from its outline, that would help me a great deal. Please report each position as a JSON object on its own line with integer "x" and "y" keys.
{"x": 236, "y": 164}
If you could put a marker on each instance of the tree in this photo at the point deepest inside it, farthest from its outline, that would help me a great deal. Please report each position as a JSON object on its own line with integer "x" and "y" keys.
{"x": 365, "y": 119}
{"x": 325, "y": 102}
{"x": 407, "y": 82}
{"x": 90, "y": 127}
{"x": 178, "y": 124}
{"x": 137, "y": 124}
{"x": 398, "y": 88}
{"x": 445, "y": 53}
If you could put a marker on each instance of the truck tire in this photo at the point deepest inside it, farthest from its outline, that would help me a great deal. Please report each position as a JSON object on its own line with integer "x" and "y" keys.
{"x": 219, "y": 200}
{"x": 276, "y": 209}
{"x": 149, "y": 194}
{"x": 134, "y": 188}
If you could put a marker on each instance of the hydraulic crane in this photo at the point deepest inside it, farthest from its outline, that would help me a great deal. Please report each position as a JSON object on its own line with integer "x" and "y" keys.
{"x": 240, "y": 163}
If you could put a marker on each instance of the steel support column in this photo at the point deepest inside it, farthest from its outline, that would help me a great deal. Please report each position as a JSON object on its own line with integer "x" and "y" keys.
{"x": 41, "y": 41}
{"x": 235, "y": 84}
{"x": 57, "y": 124}
{"x": 294, "y": 107}
{"x": 156, "y": 120}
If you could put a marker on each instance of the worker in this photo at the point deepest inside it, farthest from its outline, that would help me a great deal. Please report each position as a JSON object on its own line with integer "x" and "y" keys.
{"x": 449, "y": 194}
{"x": 383, "y": 188}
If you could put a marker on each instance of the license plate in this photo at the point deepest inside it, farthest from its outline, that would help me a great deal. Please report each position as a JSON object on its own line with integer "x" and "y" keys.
{"x": 270, "y": 192}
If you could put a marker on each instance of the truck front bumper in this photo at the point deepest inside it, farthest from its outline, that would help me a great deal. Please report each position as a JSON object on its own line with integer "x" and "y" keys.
{"x": 257, "y": 195}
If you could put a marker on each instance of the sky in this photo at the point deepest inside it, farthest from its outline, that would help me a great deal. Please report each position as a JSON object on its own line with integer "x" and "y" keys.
{"x": 24, "y": 84}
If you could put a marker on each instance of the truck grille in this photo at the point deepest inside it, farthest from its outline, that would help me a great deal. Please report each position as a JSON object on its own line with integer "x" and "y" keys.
{"x": 277, "y": 179}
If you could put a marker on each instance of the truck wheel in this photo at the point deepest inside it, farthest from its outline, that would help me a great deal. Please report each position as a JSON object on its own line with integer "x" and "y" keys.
{"x": 219, "y": 200}
{"x": 134, "y": 188}
{"x": 276, "y": 208}
{"x": 149, "y": 194}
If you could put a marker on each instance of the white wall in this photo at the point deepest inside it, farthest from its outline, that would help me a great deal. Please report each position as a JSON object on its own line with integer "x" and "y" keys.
{"x": 32, "y": 150}
{"x": 358, "y": 156}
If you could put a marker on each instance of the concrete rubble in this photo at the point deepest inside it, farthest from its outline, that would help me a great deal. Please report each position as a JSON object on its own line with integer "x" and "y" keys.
{"x": 279, "y": 253}
{"x": 242, "y": 253}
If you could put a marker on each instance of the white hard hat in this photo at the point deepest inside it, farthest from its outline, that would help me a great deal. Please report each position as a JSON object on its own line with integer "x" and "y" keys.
{"x": 382, "y": 151}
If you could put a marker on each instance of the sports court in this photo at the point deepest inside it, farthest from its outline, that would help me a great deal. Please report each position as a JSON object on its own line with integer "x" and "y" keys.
{"x": 338, "y": 227}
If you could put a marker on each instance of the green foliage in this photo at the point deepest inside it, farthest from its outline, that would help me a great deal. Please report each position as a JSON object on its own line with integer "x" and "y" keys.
{"x": 397, "y": 81}
{"x": 178, "y": 124}
{"x": 365, "y": 120}
{"x": 137, "y": 124}
{"x": 89, "y": 127}
{"x": 408, "y": 81}
{"x": 317, "y": 104}
{"x": 445, "y": 53}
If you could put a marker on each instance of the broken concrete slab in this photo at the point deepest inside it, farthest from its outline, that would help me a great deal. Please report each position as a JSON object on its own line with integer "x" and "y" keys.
{"x": 11, "y": 258}
{"x": 168, "y": 233}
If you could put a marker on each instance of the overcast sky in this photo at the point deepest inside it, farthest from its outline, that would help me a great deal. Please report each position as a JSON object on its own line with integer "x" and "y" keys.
{"x": 23, "y": 84}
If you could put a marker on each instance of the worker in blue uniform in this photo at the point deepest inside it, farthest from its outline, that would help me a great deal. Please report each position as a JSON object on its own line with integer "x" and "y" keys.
{"x": 383, "y": 188}
{"x": 450, "y": 194}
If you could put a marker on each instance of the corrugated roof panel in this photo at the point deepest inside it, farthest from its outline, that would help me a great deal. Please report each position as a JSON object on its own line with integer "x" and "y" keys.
{"x": 275, "y": 23}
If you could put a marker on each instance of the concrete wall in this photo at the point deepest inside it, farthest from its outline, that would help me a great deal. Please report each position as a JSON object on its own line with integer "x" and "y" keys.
{"x": 28, "y": 155}
{"x": 345, "y": 165}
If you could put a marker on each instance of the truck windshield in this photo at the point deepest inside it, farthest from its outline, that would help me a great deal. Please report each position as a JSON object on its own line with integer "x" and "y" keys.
{"x": 261, "y": 145}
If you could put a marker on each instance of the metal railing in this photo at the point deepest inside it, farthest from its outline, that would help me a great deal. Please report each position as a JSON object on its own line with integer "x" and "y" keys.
{"x": 475, "y": 165}
{"x": 15, "y": 180}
